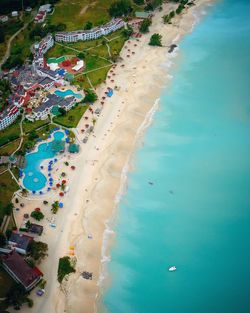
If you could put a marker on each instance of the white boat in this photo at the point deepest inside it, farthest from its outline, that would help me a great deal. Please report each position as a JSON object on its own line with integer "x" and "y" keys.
{"x": 172, "y": 268}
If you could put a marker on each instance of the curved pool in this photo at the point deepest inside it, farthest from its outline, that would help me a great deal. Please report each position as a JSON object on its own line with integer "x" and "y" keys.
{"x": 67, "y": 93}
{"x": 34, "y": 179}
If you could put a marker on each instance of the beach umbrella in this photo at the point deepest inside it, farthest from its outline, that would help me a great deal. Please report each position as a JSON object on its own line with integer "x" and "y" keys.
{"x": 40, "y": 192}
{"x": 49, "y": 174}
{"x": 48, "y": 188}
{"x": 64, "y": 181}
{"x": 60, "y": 205}
{"x": 103, "y": 98}
{"x": 58, "y": 185}
{"x": 55, "y": 160}
{"x": 37, "y": 209}
{"x": 41, "y": 167}
{"x": 61, "y": 194}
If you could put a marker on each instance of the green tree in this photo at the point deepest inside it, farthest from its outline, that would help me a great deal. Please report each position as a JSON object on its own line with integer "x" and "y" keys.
{"x": 38, "y": 250}
{"x": 9, "y": 208}
{"x": 64, "y": 268}
{"x": 120, "y": 8}
{"x": 2, "y": 240}
{"x": 55, "y": 207}
{"x": 62, "y": 111}
{"x": 144, "y": 28}
{"x": 90, "y": 96}
{"x": 16, "y": 296}
{"x": 139, "y": 2}
{"x": 155, "y": 40}
{"x": 37, "y": 215}
{"x": 88, "y": 25}
{"x": 32, "y": 135}
{"x": 127, "y": 32}
{"x": 24, "y": 192}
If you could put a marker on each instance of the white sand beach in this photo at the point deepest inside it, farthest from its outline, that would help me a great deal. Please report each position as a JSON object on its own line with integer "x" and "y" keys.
{"x": 91, "y": 200}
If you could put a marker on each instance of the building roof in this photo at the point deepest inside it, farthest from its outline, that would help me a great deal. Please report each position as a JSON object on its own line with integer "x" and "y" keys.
{"x": 73, "y": 148}
{"x": 36, "y": 229}
{"x": 142, "y": 14}
{"x": 21, "y": 241}
{"x": 23, "y": 272}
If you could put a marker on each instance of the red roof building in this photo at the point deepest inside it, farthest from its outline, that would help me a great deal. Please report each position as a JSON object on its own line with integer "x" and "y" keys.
{"x": 20, "y": 271}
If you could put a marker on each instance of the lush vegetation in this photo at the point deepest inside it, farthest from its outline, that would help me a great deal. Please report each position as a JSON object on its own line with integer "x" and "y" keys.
{"x": 65, "y": 267}
{"x": 10, "y": 133}
{"x": 37, "y": 215}
{"x": 155, "y": 40}
{"x": 38, "y": 250}
{"x": 152, "y": 5}
{"x": 168, "y": 17}
{"x": 17, "y": 296}
{"x": 144, "y": 28}
{"x": 120, "y": 8}
{"x": 7, "y": 187}
{"x": 72, "y": 117}
{"x": 90, "y": 96}
{"x": 4, "y": 92}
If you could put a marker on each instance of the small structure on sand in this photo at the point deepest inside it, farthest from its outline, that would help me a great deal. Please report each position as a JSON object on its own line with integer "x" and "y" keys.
{"x": 58, "y": 146}
{"x": 73, "y": 148}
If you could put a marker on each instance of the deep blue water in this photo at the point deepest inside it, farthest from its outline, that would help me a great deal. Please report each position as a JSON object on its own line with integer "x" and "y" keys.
{"x": 197, "y": 153}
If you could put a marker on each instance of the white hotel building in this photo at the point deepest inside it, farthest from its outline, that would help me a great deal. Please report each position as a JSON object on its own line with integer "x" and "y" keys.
{"x": 94, "y": 33}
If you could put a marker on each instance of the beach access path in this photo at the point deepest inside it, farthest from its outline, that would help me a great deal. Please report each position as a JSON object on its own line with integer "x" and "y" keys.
{"x": 100, "y": 166}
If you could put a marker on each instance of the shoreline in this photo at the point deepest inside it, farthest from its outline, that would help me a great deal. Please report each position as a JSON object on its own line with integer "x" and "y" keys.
{"x": 103, "y": 164}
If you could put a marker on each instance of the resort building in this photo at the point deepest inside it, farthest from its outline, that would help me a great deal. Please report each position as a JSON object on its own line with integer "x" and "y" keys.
{"x": 94, "y": 33}
{"x": 51, "y": 101}
{"x": 4, "y": 18}
{"x": 20, "y": 242}
{"x": 20, "y": 271}
{"x": 44, "y": 45}
{"x": 42, "y": 12}
{"x": 8, "y": 116}
{"x": 36, "y": 229}
{"x": 14, "y": 13}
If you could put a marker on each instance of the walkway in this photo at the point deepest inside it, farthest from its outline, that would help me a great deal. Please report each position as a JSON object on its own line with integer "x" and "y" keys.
{"x": 7, "y": 53}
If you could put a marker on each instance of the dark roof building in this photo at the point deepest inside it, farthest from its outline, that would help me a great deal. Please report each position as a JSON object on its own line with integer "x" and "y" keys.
{"x": 36, "y": 229}
{"x": 20, "y": 271}
{"x": 20, "y": 242}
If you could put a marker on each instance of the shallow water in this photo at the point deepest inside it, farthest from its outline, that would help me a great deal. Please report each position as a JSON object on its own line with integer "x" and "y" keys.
{"x": 196, "y": 214}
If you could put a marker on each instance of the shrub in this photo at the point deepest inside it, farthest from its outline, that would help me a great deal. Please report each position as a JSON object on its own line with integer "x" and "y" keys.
{"x": 64, "y": 268}
{"x": 37, "y": 215}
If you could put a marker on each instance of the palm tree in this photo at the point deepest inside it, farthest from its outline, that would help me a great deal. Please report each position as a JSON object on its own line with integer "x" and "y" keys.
{"x": 24, "y": 192}
{"x": 55, "y": 207}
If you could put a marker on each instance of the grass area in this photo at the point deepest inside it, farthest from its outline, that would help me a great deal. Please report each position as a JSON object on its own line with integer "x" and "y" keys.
{"x": 5, "y": 282}
{"x": 29, "y": 126}
{"x": 82, "y": 82}
{"x": 93, "y": 62}
{"x": 101, "y": 51}
{"x": 9, "y": 148}
{"x": 71, "y": 118}
{"x": 81, "y": 12}
{"x": 65, "y": 267}
{"x": 10, "y": 133}
{"x": 7, "y": 187}
{"x": 97, "y": 77}
{"x": 116, "y": 45}
{"x": 3, "y": 167}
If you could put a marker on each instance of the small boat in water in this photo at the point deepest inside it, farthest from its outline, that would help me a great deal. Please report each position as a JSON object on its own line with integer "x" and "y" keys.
{"x": 172, "y": 268}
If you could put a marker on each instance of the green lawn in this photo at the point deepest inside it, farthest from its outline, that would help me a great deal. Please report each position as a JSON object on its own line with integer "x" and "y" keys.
{"x": 8, "y": 149}
{"x": 81, "y": 12}
{"x": 29, "y": 126}
{"x": 10, "y": 133}
{"x": 7, "y": 187}
{"x": 97, "y": 77}
{"x": 71, "y": 118}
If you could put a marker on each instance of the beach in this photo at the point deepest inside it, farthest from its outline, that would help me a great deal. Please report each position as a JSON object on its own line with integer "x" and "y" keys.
{"x": 102, "y": 163}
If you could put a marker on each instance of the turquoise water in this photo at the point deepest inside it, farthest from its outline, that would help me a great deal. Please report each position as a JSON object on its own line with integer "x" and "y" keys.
{"x": 34, "y": 179}
{"x": 197, "y": 153}
{"x": 67, "y": 93}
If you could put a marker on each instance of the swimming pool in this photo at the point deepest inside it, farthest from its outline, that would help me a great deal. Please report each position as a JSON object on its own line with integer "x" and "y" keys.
{"x": 34, "y": 179}
{"x": 67, "y": 93}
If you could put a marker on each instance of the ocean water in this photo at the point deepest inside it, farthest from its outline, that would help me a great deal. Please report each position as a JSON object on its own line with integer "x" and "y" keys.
{"x": 196, "y": 215}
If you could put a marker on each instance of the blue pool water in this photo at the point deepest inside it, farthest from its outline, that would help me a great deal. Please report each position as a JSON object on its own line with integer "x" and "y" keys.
{"x": 67, "y": 93}
{"x": 197, "y": 152}
{"x": 34, "y": 179}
